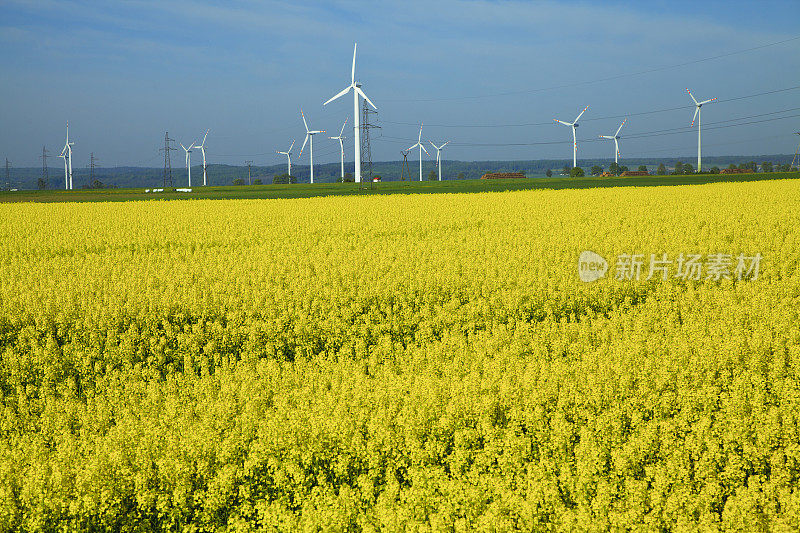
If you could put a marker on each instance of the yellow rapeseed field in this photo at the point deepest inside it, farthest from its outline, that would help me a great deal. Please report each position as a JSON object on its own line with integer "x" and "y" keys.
{"x": 406, "y": 362}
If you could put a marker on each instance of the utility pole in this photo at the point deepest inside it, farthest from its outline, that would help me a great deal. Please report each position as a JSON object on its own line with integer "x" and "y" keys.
{"x": 405, "y": 168}
{"x": 167, "y": 162}
{"x": 366, "y": 125}
{"x": 45, "y": 171}
{"x": 248, "y": 163}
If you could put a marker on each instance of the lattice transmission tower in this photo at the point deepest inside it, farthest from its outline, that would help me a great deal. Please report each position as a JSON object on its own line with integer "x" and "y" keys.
{"x": 45, "y": 170}
{"x": 366, "y": 151}
{"x": 167, "y": 163}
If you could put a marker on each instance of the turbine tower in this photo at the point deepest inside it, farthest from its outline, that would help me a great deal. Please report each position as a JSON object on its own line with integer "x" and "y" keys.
{"x": 202, "y": 147}
{"x": 66, "y": 153}
{"x": 574, "y": 125}
{"x": 356, "y": 87}
{"x": 438, "y": 159}
{"x": 309, "y": 136}
{"x": 421, "y": 149}
{"x": 615, "y": 137}
{"x": 340, "y": 138}
{"x": 698, "y": 105}
{"x": 66, "y": 175}
{"x": 188, "y": 160}
{"x": 288, "y": 154}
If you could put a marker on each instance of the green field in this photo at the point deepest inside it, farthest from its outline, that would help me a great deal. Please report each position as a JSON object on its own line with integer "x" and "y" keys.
{"x": 305, "y": 190}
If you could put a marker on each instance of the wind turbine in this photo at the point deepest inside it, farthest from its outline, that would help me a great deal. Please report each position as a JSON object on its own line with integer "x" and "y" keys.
{"x": 288, "y": 154}
{"x": 697, "y": 117}
{"x": 356, "y": 87}
{"x": 574, "y": 125}
{"x": 202, "y": 147}
{"x": 66, "y": 153}
{"x": 341, "y": 145}
{"x": 309, "y": 135}
{"x": 421, "y": 149}
{"x": 615, "y": 137}
{"x": 438, "y": 160}
{"x": 188, "y": 160}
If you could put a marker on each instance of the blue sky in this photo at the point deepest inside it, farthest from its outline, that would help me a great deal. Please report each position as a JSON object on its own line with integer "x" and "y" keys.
{"x": 124, "y": 72}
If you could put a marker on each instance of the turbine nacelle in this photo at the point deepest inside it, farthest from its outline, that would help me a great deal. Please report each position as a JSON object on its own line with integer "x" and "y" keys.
{"x": 354, "y": 85}
{"x": 698, "y": 105}
{"x": 287, "y": 152}
{"x": 309, "y": 133}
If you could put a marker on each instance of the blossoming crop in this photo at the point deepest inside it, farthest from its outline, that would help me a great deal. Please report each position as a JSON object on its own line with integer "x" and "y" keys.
{"x": 416, "y": 362}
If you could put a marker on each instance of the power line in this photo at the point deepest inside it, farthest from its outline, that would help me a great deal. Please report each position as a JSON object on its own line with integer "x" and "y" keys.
{"x": 655, "y": 133}
{"x": 640, "y": 113}
{"x": 597, "y": 80}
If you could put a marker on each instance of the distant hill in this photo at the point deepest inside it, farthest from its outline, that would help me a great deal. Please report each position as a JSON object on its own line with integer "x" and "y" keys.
{"x": 128, "y": 177}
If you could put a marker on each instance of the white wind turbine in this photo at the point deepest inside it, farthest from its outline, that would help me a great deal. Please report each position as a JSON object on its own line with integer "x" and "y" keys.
{"x": 356, "y": 87}
{"x": 421, "y": 149}
{"x": 202, "y": 147}
{"x": 340, "y": 138}
{"x": 309, "y": 136}
{"x": 188, "y": 160}
{"x": 66, "y": 153}
{"x": 438, "y": 159}
{"x": 698, "y": 105}
{"x": 288, "y": 154}
{"x": 574, "y": 125}
{"x": 615, "y": 137}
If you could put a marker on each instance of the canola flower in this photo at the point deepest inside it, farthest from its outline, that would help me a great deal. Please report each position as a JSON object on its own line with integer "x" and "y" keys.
{"x": 420, "y": 362}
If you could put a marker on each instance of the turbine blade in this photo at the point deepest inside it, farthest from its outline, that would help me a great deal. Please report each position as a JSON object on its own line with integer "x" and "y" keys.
{"x": 292, "y": 146}
{"x": 304, "y": 120}
{"x": 338, "y": 95}
{"x": 562, "y": 122}
{"x": 445, "y": 144}
{"x": 581, "y": 113}
{"x": 364, "y": 96}
{"x": 433, "y": 145}
{"x": 353, "y": 72}
{"x": 707, "y": 101}
{"x": 204, "y": 138}
{"x": 304, "y": 144}
{"x": 423, "y": 149}
{"x": 343, "y": 125}
{"x": 412, "y": 147}
{"x": 696, "y": 111}
{"x": 419, "y": 139}
{"x": 620, "y": 127}
{"x": 690, "y": 94}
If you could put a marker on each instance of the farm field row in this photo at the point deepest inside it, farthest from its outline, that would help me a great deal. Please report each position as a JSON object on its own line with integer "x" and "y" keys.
{"x": 305, "y": 190}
